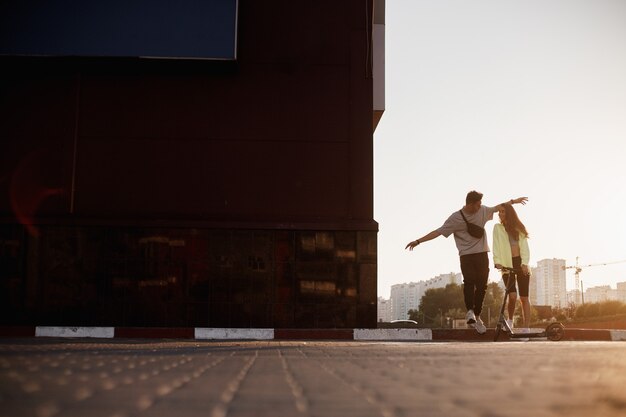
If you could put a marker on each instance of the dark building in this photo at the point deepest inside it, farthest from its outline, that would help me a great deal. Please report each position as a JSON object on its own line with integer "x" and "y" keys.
{"x": 208, "y": 166}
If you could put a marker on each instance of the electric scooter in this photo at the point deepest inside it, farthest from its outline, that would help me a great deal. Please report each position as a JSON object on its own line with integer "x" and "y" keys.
{"x": 553, "y": 332}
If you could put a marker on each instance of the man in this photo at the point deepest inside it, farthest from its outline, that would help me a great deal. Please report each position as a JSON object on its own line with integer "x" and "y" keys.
{"x": 472, "y": 251}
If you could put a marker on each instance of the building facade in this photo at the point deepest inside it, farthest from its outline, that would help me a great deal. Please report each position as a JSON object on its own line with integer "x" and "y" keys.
{"x": 384, "y": 310}
{"x": 603, "y": 293}
{"x": 548, "y": 283}
{"x": 403, "y": 297}
{"x": 600, "y": 294}
{"x": 407, "y": 296}
{"x": 621, "y": 291}
{"x": 230, "y": 189}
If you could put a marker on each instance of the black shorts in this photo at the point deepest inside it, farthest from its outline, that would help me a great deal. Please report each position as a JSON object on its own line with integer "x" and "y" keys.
{"x": 523, "y": 280}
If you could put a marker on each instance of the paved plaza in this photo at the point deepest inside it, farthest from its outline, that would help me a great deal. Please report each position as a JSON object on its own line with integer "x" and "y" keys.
{"x": 118, "y": 378}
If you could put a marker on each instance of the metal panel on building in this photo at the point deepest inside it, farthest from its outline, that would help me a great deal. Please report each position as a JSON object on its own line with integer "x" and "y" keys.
{"x": 119, "y": 28}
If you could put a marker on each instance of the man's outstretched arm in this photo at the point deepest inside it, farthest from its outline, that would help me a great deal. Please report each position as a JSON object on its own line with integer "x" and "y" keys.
{"x": 423, "y": 239}
{"x": 520, "y": 200}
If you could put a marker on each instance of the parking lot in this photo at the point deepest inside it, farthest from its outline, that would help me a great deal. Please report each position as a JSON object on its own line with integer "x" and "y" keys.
{"x": 76, "y": 377}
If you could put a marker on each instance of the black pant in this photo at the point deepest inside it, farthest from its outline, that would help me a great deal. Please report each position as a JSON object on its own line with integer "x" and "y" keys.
{"x": 475, "y": 270}
{"x": 523, "y": 280}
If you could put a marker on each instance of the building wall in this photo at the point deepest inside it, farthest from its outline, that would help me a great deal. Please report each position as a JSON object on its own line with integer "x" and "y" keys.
{"x": 600, "y": 294}
{"x": 549, "y": 277}
{"x": 405, "y": 297}
{"x": 95, "y": 276}
{"x": 399, "y": 299}
{"x": 384, "y": 310}
{"x": 621, "y": 291}
{"x": 603, "y": 293}
{"x": 532, "y": 286}
{"x": 266, "y": 160}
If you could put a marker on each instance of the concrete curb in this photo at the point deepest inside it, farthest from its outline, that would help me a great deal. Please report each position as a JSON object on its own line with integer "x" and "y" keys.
{"x": 238, "y": 334}
{"x": 202, "y": 333}
{"x": 393, "y": 334}
{"x": 618, "y": 335}
{"x": 97, "y": 332}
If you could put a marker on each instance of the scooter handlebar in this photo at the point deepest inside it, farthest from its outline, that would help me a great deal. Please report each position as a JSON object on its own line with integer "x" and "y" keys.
{"x": 507, "y": 269}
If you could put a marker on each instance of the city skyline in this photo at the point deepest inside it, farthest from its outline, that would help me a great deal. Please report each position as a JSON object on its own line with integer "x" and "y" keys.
{"x": 569, "y": 282}
{"x": 547, "y": 288}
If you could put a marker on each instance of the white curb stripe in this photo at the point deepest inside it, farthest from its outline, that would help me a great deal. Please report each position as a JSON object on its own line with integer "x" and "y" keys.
{"x": 49, "y": 331}
{"x": 619, "y": 335}
{"x": 393, "y": 334}
{"x": 224, "y": 334}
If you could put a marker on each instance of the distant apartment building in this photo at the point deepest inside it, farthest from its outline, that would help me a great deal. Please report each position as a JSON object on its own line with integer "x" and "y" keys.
{"x": 548, "y": 286}
{"x": 621, "y": 291}
{"x": 603, "y": 293}
{"x": 384, "y": 310}
{"x": 440, "y": 281}
{"x": 599, "y": 294}
{"x": 532, "y": 287}
{"x": 407, "y": 296}
{"x": 404, "y": 297}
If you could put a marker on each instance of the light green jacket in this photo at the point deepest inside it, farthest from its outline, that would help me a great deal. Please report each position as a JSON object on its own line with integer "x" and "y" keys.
{"x": 502, "y": 248}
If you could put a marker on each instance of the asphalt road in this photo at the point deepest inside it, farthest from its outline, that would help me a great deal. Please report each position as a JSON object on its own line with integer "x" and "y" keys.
{"x": 118, "y": 378}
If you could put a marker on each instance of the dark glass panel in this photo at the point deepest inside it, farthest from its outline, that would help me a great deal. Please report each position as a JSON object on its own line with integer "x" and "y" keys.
{"x": 119, "y": 276}
{"x": 260, "y": 315}
{"x": 219, "y": 315}
{"x": 345, "y": 246}
{"x": 305, "y": 246}
{"x": 284, "y": 283}
{"x": 366, "y": 315}
{"x": 366, "y": 246}
{"x": 198, "y": 314}
{"x": 305, "y": 316}
{"x": 283, "y": 314}
{"x": 284, "y": 249}
{"x": 367, "y": 283}
{"x": 12, "y": 275}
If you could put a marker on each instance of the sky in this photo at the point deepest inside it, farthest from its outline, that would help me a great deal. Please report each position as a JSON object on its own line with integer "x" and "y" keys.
{"x": 510, "y": 98}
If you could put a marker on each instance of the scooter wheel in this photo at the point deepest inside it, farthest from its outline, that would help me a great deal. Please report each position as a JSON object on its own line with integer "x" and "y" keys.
{"x": 497, "y": 332}
{"x": 555, "y": 332}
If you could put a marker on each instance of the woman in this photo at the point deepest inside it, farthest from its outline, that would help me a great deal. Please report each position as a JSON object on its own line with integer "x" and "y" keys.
{"x": 510, "y": 249}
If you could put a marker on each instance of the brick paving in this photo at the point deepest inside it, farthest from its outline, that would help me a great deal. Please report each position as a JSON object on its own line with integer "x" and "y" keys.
{"x": 123, "y": 378}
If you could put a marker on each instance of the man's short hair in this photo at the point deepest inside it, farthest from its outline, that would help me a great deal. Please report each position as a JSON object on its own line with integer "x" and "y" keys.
{"x": 473, "y": 196}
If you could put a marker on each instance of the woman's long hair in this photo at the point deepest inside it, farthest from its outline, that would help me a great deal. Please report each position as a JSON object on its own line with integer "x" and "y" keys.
{"x": 512, "y": 224}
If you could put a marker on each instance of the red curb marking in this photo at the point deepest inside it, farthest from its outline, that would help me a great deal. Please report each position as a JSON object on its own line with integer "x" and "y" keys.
{"x": 317, "y": 334}
{"x": 465, "y": 334}
{"x": 155, "y": 332}
{"x": 17, "y": 331}
{"x": 587, "y": 334}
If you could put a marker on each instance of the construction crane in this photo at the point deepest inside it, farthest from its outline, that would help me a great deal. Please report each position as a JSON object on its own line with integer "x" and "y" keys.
{"x": 577, "y": 269}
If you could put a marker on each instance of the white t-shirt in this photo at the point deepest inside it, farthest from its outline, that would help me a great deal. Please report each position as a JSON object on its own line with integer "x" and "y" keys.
{"x": 466, "y": 243}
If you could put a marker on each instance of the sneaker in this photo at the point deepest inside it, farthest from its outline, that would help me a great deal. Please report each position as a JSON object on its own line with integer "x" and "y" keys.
{"x": 470, "y": 317}
{"x": 480, "y": 326}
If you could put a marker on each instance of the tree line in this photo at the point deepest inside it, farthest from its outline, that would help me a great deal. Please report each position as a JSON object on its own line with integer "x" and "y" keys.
{"x": 439, "y": 306}
{"x": 605, "y": 308}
